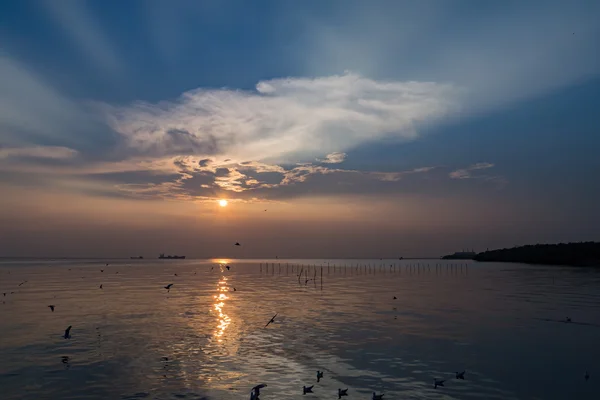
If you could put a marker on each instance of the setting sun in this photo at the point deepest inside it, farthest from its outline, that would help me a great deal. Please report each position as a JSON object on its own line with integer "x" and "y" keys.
{"x": 223, "y": 203}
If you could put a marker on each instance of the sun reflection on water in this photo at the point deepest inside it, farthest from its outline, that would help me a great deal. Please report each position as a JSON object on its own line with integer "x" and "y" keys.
{"x": 223, "y": 319}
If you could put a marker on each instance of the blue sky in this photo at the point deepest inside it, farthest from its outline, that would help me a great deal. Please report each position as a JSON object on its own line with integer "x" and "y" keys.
{"x": 463, "y": 112}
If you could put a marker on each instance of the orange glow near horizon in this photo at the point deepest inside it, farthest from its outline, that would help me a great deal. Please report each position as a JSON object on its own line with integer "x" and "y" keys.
{"x": 223, "y": 203}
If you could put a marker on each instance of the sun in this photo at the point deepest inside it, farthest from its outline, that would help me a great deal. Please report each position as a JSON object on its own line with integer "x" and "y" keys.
{"x": 223, "y": 203}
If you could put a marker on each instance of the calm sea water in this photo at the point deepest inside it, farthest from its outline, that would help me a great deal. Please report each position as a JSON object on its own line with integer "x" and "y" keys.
{"x": 203, "y": 340}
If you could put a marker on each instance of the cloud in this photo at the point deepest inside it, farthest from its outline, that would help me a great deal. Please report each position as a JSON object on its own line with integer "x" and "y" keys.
{"x": 465, "y": 173}
{"x": 74, "y": 18}
{"x": 334, "y": 158}
{"x": 52, "y": 152}
{"x": 282, "y": 119}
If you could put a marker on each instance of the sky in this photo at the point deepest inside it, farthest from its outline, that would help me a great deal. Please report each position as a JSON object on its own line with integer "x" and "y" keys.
{"x": 332, "y": 128}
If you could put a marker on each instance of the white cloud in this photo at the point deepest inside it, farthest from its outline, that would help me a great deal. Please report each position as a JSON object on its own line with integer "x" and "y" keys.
{"x": 51, "y": 152}
{"x": 465, "y": 173}
{"x": 283, "y": 118}
{"x": 334, "y": 158}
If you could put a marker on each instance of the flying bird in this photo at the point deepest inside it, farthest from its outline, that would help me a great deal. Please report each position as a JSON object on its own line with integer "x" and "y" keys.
{"x": 256, "y": 391}
{"x": 377, "y": 396}
{"x": 22, "y": 283}
{"x": 319, "y": 375}
{"x": 438, "y": 382}
{"x": 342, "y": 393}
{"x": 68, "y": 332}
{"x": 168, "y": 287}
{"x": 460, "y": 375}
{"x": 307, "y": 389}
{"x": 237, "y": 244}
{"x": 51, "y": 307}
{"x": 271, "y": 321}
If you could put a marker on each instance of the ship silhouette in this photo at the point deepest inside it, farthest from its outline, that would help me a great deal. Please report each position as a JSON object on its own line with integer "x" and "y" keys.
{"x": 168, "y": 257}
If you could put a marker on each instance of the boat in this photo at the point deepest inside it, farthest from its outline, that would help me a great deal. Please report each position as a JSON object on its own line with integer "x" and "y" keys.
{"x": 174, "y": 257}
{"x": 137, "y": 258}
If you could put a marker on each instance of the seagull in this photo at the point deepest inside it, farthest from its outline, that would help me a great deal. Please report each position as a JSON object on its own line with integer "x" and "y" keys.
{"x": 227, "y": 267}
{"x": 438, "y": 382}
{"x": 100, "y": 286}
{"x": 168, "y": 287}
{"x": 51, "y": 307}
{"x": 568, "y": 319}
{"x": 271, "y": 321}
{"x": 234, "y": 289}
{"x": 256, "y": 390}
{"x": 237, "y": 244}
{"x": 377, "y": 396}
{"x": 265, "y": 210}
{"x": 395, "y": 298}
{"x": 460, "y": 375}
{"x": 101, "y": 270}
{"x": 342, "y": 393}
{"x": 307, "y": 389}
{"x": 319, "y": 375}
{"x": 4, "y": 294}
{"x": 176, "y": 275}
{"x": 587, "y": 376}
{"x": 68, "y": 332}
{"x": 22, "y": 283}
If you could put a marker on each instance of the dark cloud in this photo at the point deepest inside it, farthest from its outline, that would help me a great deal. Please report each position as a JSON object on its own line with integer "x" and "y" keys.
{"x": 205, "y": 162}
{"x": 221, "y": 172}
{"x": 134, "y": 177}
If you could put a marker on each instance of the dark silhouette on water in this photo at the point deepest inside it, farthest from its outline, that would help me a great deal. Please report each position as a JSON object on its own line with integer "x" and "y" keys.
{"x": 587, "y": 376}
{"x": 237, "y": 244}
{"x": 377, "y": 396}
{"x": 68, "y": 332}
{"x": 255, "y": 392}
{"x": 438, "y": 382}
{"x": 341, "y": 393}
{"x": 460, "y": 375}
{"x": 227, "y": 267}
{"x": 577, "y": 254}
{"x": 22, "y": 283}
{"x": 168, "y": 257}
{"x": 308, "y": 389}
{"x": 319, "y": 375}
{"x": 51, "y": 307}
{"x": 168, "y": 287}
{"x": 271, "y": 321}
{"x": 100, "y": 286}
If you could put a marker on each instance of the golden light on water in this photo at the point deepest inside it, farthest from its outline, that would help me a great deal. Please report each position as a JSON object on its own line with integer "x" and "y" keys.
{"x": 223, "y": 203}
{"x": 223, "y": 319}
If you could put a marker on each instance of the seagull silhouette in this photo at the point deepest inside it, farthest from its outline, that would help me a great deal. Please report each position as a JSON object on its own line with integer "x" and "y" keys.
{"x": 22, "y": 283}
{"x": 68, "y": 332}
{"x": 395, "y": 298}
{"x": 438, "y": 382}
{"x": 256, "y": 390}
{"x": 227, "y": 267}
{"x": 342, "y": 393}
{"x": 101, "y": 270}
{"x": 168, "y": 287}
{"x": 271, "y": 321}
{"x": 51, "y": 307}
{"x": 176, "y": 275}
{"x": 587, "y": 376}
{"x": 308, "y": 389}
{"x": 568, "y": 319}
{"x": 319, "y": 375}
{"x": 460, "y": 375}
{"x": 4, "y": 294}
{"x": 377, "y": 396}
{"x": 237, "y": 244}
{"x": 100, "y": 286}
{"x": 234, "y": 289}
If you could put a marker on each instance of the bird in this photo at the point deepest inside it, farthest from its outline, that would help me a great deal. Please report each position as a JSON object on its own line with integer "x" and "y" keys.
{"x": 4, "y": 294}
{"x": 227, "y": 267}
{"x": 395, "y": 298}
{"x": 51, "y": 307}
{"x": 100, "y": 286}
{"x": 265, "y": 210}
{"x": 22, "y": 283}
{"x": 168, "y": 287}
{"x": 176, "y": 275}
{"x": 234, "y": 289}
{"x": 438, "y": 382}
{"x": 568, "y": 319}
{"x": 256, "y": 390}
{"x": 460, "y": 375}
{"x": 319, "y": 375}
{"x": 237, "y": 244}
{"x": 101, "y": 270}
{"x": 68, "y": 332}
{"x": 342, "y": 393}
{"x": 307, "y": 389}
{"x": 271, "y": 321}
{"x": 377, "y": 396}
{"x": 587, "y": 376}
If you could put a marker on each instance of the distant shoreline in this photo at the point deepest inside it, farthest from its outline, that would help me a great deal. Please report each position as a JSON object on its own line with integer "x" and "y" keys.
{"x": 581, "y": 254}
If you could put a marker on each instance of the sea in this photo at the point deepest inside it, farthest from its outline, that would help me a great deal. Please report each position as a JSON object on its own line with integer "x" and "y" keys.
{"x": 383, "y": 326}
